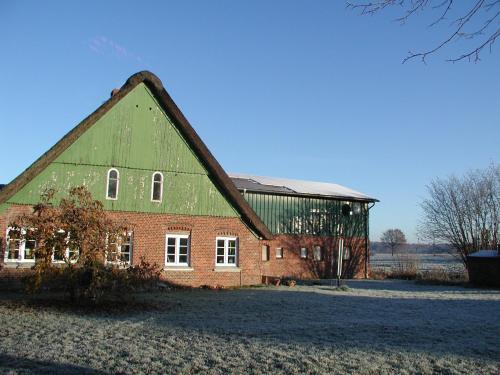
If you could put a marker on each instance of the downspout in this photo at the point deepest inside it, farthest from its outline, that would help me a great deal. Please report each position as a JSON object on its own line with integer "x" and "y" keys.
{"x": 367, "y": 237}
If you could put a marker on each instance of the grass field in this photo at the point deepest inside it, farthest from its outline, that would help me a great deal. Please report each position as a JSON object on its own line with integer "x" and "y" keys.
{"x": 375, "y": 327}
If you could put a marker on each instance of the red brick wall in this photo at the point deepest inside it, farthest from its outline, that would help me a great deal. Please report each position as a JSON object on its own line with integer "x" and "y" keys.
{"x": 294, "y": 266}
{"x": 149, "y": 241}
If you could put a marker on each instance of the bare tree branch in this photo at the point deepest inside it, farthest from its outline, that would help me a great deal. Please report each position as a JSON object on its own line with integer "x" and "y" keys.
{"x": 463, "y": 26}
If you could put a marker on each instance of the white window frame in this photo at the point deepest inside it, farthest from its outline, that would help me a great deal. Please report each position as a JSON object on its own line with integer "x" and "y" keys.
{"x": 318, "y": 250}
{"x": 226, "y": 251}
{"x": 66, "y": 252}
{"x": 177, "y": 238}
{"x": 153, "y": 187}
{"x": 117, "y": 184}
{"x": 303, "y": 252}
{"x": 279, "y": 253}
{"x": 130, "y": 234}
{"x": 22, "y": 247}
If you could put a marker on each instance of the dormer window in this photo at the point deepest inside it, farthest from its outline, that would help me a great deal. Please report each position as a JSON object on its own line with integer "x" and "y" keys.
{"x": 157, "y": 187}
{"x": 113, "y": 183}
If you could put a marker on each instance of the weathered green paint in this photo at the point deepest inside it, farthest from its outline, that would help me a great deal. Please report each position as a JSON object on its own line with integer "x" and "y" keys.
{"x": 137, "y": 138}
{"x": 284, "y": 214}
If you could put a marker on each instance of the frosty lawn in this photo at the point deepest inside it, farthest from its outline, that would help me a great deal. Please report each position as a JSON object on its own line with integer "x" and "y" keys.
{"x": 375, "y": 327}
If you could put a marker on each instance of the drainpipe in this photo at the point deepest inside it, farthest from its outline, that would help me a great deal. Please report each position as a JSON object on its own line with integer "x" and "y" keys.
{"x": 367, "y": 238}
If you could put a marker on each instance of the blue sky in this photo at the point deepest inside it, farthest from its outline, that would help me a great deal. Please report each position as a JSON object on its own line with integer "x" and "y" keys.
{"x": 296, "y": 89}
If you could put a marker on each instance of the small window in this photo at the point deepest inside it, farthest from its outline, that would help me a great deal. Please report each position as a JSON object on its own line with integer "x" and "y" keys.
{"x": 347, "y": 253}
{"x": 119, "y": 251}
{"x": 265, "y": 253}
{"x": 279, "y": 252}
{"x": 318, "y": 253}
{"x": 21, "y": 245}
{"x": 113, "y": 184}
{"x": 177, "y": 250}
{"x": 303, "y": 252}
{"x": 63, "y": 249}
{"x": 226, "y": 251}
{"x": 157, "y": 187}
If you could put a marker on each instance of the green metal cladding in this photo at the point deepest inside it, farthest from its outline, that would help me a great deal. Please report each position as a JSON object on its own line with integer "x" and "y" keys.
{"x": 137, "y": 138}
{"x": 285, "y": 214}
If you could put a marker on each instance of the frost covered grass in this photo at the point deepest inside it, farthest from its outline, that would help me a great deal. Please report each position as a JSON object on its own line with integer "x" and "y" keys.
{"x": 373, "y": 327}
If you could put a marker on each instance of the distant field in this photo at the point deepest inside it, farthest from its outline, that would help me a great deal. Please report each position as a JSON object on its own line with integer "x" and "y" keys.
{"x": 425, "y": 261}
{"x": 376, "y": 327}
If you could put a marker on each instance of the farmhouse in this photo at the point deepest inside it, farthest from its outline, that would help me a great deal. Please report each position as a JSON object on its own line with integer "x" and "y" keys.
{"x": 139, "y": 155}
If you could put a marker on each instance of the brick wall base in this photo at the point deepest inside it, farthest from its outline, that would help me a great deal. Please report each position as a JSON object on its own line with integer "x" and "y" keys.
{"x": 149, "y": 236}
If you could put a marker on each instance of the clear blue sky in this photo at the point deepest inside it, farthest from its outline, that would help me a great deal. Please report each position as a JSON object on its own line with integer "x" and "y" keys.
{"x": 298, "y": 89}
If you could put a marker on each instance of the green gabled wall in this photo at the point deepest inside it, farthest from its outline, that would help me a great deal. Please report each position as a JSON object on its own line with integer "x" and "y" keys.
{"x": 137, "y": 138}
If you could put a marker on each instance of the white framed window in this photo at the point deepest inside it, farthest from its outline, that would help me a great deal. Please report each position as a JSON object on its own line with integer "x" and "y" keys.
{"x": 113, "y": 183}
{"x": 62, "y": 250}
{"x": 226, "y": 251}
{"x": 265, "y": 253}
{"x": 157, "y": 187}
{"x": 318, "y": 253}
{"x": 177, "y": 250}
{"x": 303, "y": 252}
{"x": 120, "y": 250}
{"x": 279, "y": 252}
{"x": 20, "y": 245}
{"x": 347, "y": 253}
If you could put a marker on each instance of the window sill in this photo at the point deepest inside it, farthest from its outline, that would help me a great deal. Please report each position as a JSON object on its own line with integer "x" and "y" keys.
{"x": 227, "y": 269}
{"x": 178, "y": 268}
{"x": 17, "y": 264}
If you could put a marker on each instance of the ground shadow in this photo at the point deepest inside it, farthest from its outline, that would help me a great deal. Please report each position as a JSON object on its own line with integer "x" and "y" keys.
{"x": 29, "y": 366}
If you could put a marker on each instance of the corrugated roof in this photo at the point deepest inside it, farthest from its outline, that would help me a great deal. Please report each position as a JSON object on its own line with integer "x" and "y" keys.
{"x": 295, "y": 187}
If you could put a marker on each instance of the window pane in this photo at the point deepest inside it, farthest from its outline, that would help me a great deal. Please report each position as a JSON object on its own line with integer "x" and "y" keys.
{"x": 220, "y": 251}
{"x": 231, "y": 244}
{"x": 183, "y": 259}
{"x": 231, "y": 251}
{"x": 171, "y": 241}
{"x": 220, "y": 259}
{"x": 157, "y": 191}
{"x": 220, "y": 243}
{"x": 157, "y": 177}
{"x": 183, "y": 241}
{"x": 14, "y": 249}
{"x": 231, "y": 259}
{"x": 29, "y": 249}
{"x": 112, "y": 187}
{"x": 171, "y": 250}
{"x": 113, "y": 175}
{"x": 170, "y": 258}
{"x": 183, "y": 250}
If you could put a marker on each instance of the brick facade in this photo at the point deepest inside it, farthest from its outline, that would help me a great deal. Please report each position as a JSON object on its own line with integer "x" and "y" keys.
{"x": 149, "y": 236}
{"x": 294, "y": 266}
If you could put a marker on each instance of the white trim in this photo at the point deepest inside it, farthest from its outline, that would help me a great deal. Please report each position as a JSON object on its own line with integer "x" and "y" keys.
{"x": 117, "y": 184}
{"x": 153, "y": 186}
{"x": 177, "y": 238}
{"x": 226, "y": 251}
{"x": 21, "y": 249}
{"x": 66, "y": 252}
{"x": 128, "y": 234}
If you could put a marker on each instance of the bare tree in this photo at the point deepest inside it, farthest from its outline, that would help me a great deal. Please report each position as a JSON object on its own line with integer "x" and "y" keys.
{"x": 478, "y": 22}
{"x": 464, "y": 211}
{"x": 394, "y": 239}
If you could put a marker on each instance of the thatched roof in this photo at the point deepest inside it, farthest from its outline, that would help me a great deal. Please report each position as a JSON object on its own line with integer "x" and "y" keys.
{"x": 216, "y": 173}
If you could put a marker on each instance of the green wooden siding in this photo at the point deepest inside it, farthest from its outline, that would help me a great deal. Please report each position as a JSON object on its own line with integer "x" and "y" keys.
{"x": 285, "y": 214}
{"x": 137, "y": 138}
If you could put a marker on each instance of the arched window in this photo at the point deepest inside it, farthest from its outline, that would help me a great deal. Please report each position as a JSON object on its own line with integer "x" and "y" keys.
{"x": 113, "y": 182}
{"x": 157, "y": 187}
